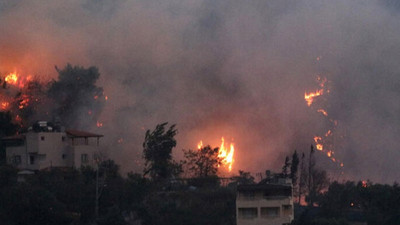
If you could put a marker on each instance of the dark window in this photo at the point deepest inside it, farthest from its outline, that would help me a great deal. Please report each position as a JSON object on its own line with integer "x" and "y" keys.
{"x": 248, "y": 213}
{"x": 267, "y": 212}
{"x": 32, "y": 159}
{"x": 84, "y": 158}
{"x": 249, "y": 195}
{"x": 42, "y": 138}
{"x": 16, "y": 160}
{"x": 63, "y": 138}
{"x": 64, "y": 156}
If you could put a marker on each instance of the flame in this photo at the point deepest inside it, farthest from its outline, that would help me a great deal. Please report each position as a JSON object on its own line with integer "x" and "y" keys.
{"x": 323, "y": 112}
{"x": 24, "y": 102}
{"x": 4, "y": 105}
{"x": 318, "y": 143}
{"x": 12, "y": 78}
{"x": 364, "y": 183}
{"x": 226, "y": 155}
{"x": 200, "y": 145}
{"x": 310, "y": 96}
{"x": 99, "y": 124}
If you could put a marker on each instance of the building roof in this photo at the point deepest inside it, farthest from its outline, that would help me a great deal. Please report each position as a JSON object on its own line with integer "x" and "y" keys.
{"x": 14, "y": 137}
{"x": 81, "y": 134}
{"x": 263, "y": 187}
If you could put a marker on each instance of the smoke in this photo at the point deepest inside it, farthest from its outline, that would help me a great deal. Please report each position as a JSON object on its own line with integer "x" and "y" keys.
{"x": 237, "y": 69}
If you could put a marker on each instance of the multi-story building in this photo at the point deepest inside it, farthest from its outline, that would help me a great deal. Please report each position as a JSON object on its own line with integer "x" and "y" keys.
{"x": 267, "y": 204}
{"x": 45, "y": 147}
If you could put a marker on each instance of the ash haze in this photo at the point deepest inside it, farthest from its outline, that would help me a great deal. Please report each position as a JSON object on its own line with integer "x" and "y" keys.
{"x": 237, "y": 69}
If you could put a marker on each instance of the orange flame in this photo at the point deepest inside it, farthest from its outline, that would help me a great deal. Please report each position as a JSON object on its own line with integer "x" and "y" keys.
{"x": 4, "y": 105}
{"x": 99, "y": 124}
{"x": 318, "y": 143}
{"x": 310, "y": 96}
{"x": 364, "y": 183}
{"x": 323, "y": 112}
{"x": 200, "y": 145}
{"x": 226, "y": 155}
{"x": 11, "y": 78}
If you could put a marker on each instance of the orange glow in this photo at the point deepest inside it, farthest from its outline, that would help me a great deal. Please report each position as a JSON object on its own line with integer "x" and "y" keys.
{"x": 226, "y": 155}
{"x": 310, "y": 96}
{"x": 4, "y": 105}
{"x": 323, "y": 112}
{"x": 106, "y": 97}
{"x": 200, "y": 145}
{"x": 99, "y": 124}
{"x": 329, "y": 154}
{"x": 11, "y": 78}
{"x": 364, "y": 183}
{"x": 318, "y": 143}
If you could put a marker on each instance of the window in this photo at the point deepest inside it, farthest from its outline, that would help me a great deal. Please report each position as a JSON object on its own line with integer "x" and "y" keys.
{"x": 248, "y": 213}
{"x": 268, "y": 212}
{"x": 32, "y": 159}
{"x": 42, "y": 138}
{"x": 64, "y": 156}
{"x": 84, "y": 158}
{"x": 287, "y": 210}
{"x": 63, "y": 138}
{"x": 16, "y": 160}
{"x": 248, "y": 195}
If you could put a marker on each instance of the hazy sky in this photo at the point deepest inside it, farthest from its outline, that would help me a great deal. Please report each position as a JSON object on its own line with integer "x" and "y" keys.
{"x": 237, "y": 69}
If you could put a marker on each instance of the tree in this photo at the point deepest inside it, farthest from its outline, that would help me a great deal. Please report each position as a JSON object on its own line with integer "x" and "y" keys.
{"x": 203, "y": 162}
{"x": 285, "y": 167}
{"x": 76, "y": 95}
{"x": 157, "y": 150}
{"x": 294, "y": 168}
{"x": 303, "y": 177}
{"x": 7, "y": 128}
{"x": 244, "y": 178}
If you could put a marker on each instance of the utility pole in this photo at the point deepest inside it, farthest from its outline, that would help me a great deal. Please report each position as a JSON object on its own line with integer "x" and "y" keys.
{"x": 96, "y": 212}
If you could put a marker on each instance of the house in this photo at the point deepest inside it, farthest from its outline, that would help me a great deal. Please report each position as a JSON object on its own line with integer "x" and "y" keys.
{"x": 45, "y": 146}
{"x": 265, "y": 203}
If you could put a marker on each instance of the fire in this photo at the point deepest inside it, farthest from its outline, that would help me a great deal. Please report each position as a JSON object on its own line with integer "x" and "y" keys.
{"x": 323, "y": 112}
{"x": 99, "y": 124}
{"x": 12, "y": 78}
{"x": 318, "y": 143}
{"x": 226, "y": 155}
{"x": 4, "y": 105}
{"x": 364, "y": 183}
{"x": 200, "y": 145}
{"x": 310, "y": 96}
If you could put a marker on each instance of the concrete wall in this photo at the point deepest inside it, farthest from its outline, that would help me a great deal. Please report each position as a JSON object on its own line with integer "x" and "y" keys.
{"x": 53, "y": 149}
{"x": 285, "y": 211}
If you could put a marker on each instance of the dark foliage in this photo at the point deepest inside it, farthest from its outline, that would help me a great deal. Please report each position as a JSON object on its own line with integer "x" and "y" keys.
{"x": 77, "y": 99}
{"x": 157, "y": 150}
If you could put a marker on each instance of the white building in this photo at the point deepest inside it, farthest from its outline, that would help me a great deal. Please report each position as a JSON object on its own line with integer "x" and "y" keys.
{"x": 45, "y": 148}
{"x": 267, "y": 204}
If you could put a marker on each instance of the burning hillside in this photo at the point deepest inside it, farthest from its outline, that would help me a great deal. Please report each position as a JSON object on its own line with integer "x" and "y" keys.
{"x": 73, "y": 100}
{"x": 226, "y": 155}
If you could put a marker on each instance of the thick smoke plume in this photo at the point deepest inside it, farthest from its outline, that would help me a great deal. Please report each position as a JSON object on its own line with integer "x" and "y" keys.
{"x": 237, "y": 69}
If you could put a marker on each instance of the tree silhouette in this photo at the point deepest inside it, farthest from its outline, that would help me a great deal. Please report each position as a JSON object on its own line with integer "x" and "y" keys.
{"x": 157, "y": 149}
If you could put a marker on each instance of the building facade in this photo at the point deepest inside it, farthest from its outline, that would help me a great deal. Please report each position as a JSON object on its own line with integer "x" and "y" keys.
{"x": 46, "y": 147}
{"x": 267, "y": 204}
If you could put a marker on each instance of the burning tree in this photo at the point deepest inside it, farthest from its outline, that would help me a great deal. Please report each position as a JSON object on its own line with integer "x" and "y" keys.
{"x": 203, "y": 162}
{"x": 73, "y": 99}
